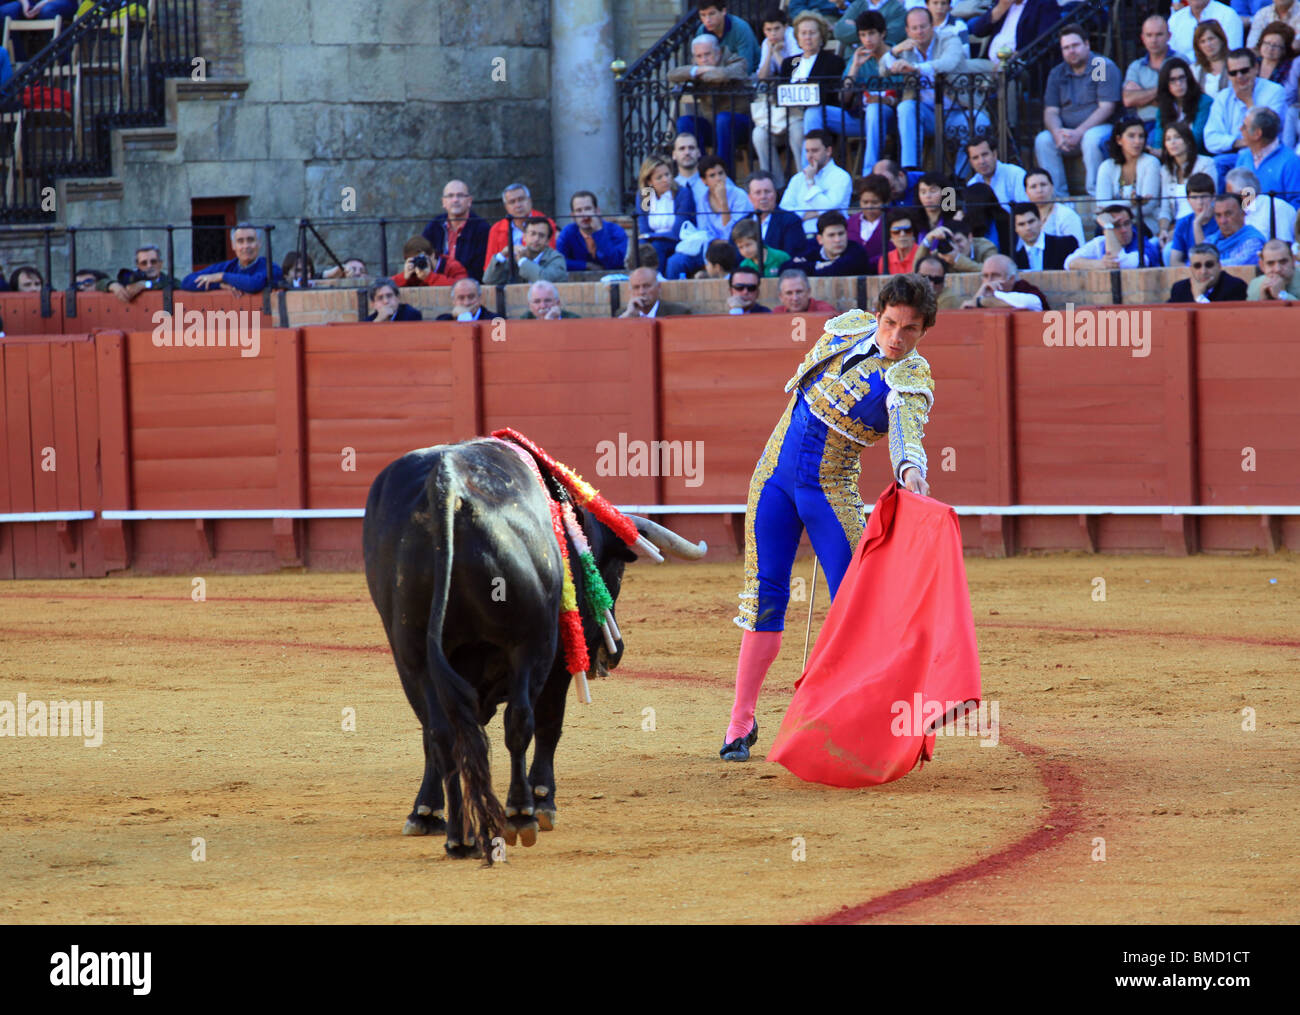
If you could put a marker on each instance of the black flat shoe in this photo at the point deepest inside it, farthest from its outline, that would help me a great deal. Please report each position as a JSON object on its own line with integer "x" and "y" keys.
{"x": 738, "y": 749}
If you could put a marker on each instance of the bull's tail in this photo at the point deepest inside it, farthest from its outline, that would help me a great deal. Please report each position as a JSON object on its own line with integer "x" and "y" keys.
{"x": 483, "y": 816}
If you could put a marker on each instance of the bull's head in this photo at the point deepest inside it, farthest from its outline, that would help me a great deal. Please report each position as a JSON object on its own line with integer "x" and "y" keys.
{"x": 612, "y": 556}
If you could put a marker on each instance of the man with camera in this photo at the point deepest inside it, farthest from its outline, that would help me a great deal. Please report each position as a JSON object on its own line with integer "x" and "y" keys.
{"x": 418, "y": 267}
{"x": 148, "y": 275}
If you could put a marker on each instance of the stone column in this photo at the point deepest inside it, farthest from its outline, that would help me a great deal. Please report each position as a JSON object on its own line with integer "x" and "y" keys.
{"x": 584, "y": 109}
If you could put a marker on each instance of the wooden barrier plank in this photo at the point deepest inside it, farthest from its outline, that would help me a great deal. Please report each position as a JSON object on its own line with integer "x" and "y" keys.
{"x": 211, "y": 441}
{"x": 45, "y": 456}
{"x": 466, "y": 383}
{"x": 6, "y": 479}
{"x": 21, "y": 313}
{"x": 157, "y": 409}
{"x": 87, "y": 406}
{"x": 291, "y": 444}
{"x": 200, "y": 479}
{"x": 115, "y": 443}
{"x": 21, "y": 459}
{"x": 67, "y": 476}
{"x": 204, "y": 377}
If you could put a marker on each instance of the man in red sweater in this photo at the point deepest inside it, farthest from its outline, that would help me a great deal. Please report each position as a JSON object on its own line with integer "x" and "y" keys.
{"x": 419, "y": 267}
{"x": 509, "y": 231}
{"x": 796, "y": 295}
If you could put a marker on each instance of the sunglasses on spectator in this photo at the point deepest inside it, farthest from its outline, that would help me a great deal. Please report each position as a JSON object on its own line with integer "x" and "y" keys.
{"x": 935, "y": 280}
{"x": 1177, "y": 77}
{"x": 1240, "y": 72}
{"x": 1204, "y": 264}
{"x": 900, "y": 229}
{"x": 747, "y": 287}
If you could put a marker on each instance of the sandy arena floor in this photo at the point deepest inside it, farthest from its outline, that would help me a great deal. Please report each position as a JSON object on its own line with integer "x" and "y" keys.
{"x": 1119, "y": 721}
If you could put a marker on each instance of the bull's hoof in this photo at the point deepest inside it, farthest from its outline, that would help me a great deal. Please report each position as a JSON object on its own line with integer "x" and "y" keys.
{"x": 464, "y": 850}
{"x": 522, "y": 824}
{"x": 431, "y": 823}
{"x": 545, "y": 819}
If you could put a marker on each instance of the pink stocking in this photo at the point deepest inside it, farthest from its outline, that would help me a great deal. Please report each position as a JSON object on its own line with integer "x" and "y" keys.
{"x": 757, "y": 651}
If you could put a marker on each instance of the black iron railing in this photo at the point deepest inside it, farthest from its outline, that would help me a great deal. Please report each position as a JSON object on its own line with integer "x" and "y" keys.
{"x": 105, "y": 70}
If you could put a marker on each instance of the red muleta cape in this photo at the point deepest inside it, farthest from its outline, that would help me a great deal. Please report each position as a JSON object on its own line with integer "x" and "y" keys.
{"x": 899, "y": 634}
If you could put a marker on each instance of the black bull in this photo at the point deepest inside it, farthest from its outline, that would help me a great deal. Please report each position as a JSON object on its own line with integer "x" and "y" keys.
{"x": 464, "y": 569}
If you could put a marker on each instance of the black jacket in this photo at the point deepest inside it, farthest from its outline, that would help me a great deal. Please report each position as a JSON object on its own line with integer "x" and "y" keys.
{"x": 1229, "y": 287}
{"x": 405, "y": 312}
{"x": 484, "y": 314}
{"x": 853, "y": 261}
{"x": 827, "y": 71}
{"x": 1055, "y": 250}
{"x": 471, "y": 246}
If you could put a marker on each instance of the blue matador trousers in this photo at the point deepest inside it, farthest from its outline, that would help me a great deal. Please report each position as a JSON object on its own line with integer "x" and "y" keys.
{"x": 806, "y": 477}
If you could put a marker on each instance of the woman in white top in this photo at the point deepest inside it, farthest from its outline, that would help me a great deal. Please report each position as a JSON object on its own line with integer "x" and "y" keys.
{"x": 1178, "y": 161}
{"x": 1130, "y": 173}
{"x": 1211, "y": 50}
{"x": 1058, "y": 219}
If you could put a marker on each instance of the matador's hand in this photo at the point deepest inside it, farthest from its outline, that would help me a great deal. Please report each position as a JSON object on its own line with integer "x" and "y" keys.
{"x": 914, "y": 481}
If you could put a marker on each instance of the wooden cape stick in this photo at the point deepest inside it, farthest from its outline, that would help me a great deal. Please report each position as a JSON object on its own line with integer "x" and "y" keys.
{"x": 812, "y": 595}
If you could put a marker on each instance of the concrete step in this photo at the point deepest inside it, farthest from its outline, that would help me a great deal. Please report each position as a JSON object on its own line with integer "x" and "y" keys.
{"x": 101, "y": 188}
{"x": 136, "y": 139}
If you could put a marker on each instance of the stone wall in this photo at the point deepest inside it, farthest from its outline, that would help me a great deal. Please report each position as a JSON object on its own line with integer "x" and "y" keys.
{"x": 343, "y": 111}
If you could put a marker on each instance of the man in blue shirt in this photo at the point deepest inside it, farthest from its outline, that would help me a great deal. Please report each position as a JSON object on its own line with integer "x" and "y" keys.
{"x": 1200, "y": 196}
{"x": 732, "y": 33}
{"x": 589, "y": 241}
{"x": 1117, "y": 247}
{"x": 1267, "y": 157}
{"x": 245, "y": 274}
{"x": 1238, "y": 243}
{"x": 1223, "y": 138}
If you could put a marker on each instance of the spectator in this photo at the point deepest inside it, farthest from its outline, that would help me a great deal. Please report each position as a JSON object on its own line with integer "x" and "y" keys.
{"x": 720, "y": 260}
{"x": 866, "y": 225}
{"x": 1082, "y": 95}
{"x": 931, "y": 267}
{"x": 730, "y": 32}
{"x": 1118, "y": 247}
{"x": 1198, "y": 225}
{"x": 822, "y": 186}
{"x": 1142, "y": 79}
{"x": 1007, "y": 181}
{"x": 744, "y": 293}
{"x": 767, "y": 261}
{"x": 1206, "y": 280}
{"x": 902, "y": 250}
{"x": 644, "y": 285}
{"x": 31, "y": 9}
{"x": 826, "y": 8}
{"x": 983, "y": 214}
{"x": 941, "y": 12}
{"x": 723, "y": 205}
{"x": 937, "y": 199}
{"x": 770, "y": 120}
{"x": 1179, "y": 99}
{"x": 649, "y": 258}
{"x": 590, "y": 239}
{"x": 88, "y": 278}
{"x": 26, "y": 280}
{"x": 418, "y": 268}
{"x": 1130, "y": 174}
{"x": 294, "y": 273}
{"x": 813, "y": 65}
{"x": 1058, "y": 219}
{"x": 835, "y": 254}
{"x": 711, "y": 69}
{"x": 665, "y": 206}
{"x": 1279, "y": 281}
{"x": 388, "y": 306}
{"x": 544, "y": 303}
{"x": 246, "y": 272}
{"x": 1273, "y": 217}
{"x": 458, "y": 234}
{"x": 1276, "y": 166}
{"x": 779, "y": 228}
{"x": 952, "y": 245}
{"x": 534, "y": 259}
{"x": 1285, "y": 11}
{"x": 1210, "y": 48}
{"x": 927, "y": 54}
{"x": 148, "y": 274}
{"x": 862, "y": 113}
{"x": 1223, "y": 138}
{"x": 796, "y": 295}
{"x": 508, "y": 233}
{"x": 686, "y": 163}
{"x": 1014, "y": 24}
{"x": 846, "y": 29}
{"x": 467, "y": 303}
{"x": 1237, "y": 242}
{"x": 1002, "y": 287}
{"x": 1179, "y": 162}
{"x": 1035, "y": 249}
{"x": 1184, "y": 22}
{"x": 1275, "y": 52}
{"x": 902, "y": 185}
{"x": 354, "y": 267}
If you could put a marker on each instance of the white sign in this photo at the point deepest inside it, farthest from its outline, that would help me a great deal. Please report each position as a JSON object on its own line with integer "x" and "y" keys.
{"x": 805, "y": 93}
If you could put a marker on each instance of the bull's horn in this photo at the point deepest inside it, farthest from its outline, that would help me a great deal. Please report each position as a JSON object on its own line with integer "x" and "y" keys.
{"x": 668, "y": 540}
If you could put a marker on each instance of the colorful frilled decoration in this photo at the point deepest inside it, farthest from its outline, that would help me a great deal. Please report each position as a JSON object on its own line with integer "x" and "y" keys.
{"x": 563, "y": 519}
{"x": 586, "y": 495}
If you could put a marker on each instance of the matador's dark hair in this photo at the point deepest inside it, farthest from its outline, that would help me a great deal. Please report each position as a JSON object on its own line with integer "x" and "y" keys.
{"x": 909, "y": 291}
